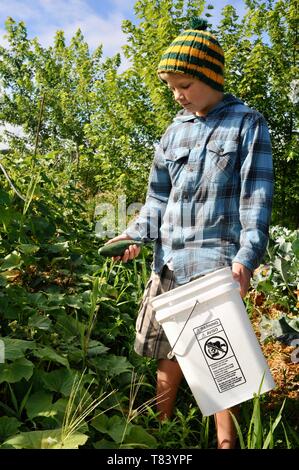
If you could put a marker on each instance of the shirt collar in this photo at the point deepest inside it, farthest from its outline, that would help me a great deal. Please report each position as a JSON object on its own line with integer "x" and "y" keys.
{"x": 228, "y": 99}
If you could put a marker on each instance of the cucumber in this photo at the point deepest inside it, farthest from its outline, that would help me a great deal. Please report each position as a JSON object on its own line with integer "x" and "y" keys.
{"x": 117, "y": 248}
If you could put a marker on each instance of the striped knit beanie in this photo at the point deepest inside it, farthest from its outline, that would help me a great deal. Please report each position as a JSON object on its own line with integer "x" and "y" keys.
{"x": 196, "y": 52}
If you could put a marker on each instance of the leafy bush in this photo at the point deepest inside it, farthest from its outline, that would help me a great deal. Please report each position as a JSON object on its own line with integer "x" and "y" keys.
{"x": 278, "y": 281}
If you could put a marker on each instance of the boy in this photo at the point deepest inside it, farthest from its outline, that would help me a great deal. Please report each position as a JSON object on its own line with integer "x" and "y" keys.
{"x": 209, "y": 197}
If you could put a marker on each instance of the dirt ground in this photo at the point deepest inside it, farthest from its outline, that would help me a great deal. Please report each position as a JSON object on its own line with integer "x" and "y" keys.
{"x": 280, "y": 357}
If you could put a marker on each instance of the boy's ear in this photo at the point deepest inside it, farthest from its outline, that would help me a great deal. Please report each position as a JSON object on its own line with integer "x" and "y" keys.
{"x": 161, "y": 79}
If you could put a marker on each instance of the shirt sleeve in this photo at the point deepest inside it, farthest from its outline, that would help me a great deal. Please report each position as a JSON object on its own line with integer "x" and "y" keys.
{"x": 147, "y": 224}
{"x": 256, "y": 193}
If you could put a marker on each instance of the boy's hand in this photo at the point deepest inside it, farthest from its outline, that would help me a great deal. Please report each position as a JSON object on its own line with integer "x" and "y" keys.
{"x": 242, "y": 275}
{"x": 130, "y": 253}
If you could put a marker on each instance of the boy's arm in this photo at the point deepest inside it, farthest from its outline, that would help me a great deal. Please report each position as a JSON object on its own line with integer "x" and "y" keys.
{"x": 147, "y": 224}
{"x": 256, "y": 194}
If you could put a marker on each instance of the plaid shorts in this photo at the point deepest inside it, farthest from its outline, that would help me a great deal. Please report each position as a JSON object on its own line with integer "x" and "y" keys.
{"x": 151, "y": 340}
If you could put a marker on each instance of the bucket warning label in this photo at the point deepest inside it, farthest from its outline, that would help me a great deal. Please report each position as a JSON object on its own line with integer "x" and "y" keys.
{"x": 219, "y": 355}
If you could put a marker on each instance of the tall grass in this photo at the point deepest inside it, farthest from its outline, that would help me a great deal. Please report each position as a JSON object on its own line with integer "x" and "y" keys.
{"x": 259, "y": 435}
{"x": 80, "y": 407}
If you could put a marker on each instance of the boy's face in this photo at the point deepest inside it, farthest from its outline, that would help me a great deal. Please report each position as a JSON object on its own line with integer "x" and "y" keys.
{"x": 192, "y": 94}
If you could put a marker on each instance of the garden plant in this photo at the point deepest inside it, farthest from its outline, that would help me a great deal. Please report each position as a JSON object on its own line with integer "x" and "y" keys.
{"x": 69, "y": 377}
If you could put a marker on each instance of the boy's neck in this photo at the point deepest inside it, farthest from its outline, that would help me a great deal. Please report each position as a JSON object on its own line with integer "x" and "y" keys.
{"x": 218, "y": 97}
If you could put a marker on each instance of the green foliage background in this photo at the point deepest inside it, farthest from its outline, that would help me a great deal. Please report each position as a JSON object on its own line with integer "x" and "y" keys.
{"x": 101, "y": 125}
{"x": 88, "y": 136}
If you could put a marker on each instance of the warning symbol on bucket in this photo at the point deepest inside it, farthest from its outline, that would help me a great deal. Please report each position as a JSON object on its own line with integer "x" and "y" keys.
{"x": 219, "y": 355}
{"x": 216, "y": 348}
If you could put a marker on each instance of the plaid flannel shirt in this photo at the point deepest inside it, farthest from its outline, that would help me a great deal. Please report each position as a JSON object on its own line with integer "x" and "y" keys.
{"x": 210, "y": 192}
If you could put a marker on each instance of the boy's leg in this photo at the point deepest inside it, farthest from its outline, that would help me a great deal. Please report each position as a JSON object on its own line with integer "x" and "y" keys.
{"x": 169, "y": 376}
{"x": 226, "y": 431}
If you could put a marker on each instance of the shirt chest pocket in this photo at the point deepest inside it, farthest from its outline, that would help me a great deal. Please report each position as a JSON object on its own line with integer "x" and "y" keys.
{"x": 176, "y": 160}
{"x": 220, "y": 161}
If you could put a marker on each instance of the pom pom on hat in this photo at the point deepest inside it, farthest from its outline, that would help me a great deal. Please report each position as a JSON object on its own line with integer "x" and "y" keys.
{"x": 198, "y": 23}
{"x": 196, "y": 52}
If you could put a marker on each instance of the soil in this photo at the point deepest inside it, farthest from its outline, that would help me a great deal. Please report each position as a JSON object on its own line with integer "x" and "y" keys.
{"x": 281, "y": 358}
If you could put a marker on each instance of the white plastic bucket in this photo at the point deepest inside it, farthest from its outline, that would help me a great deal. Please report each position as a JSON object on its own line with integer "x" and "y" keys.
{"x": 215, "y": 345}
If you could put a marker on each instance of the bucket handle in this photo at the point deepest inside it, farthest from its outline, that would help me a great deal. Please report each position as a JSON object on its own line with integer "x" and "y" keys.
{"x": 171, "y": 352}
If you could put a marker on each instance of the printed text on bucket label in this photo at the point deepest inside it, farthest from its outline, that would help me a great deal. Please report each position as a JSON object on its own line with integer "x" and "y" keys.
{"x": 219, "y": 356}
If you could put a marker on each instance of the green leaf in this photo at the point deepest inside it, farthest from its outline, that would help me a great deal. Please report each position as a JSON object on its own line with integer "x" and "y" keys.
{"x": 60, "y": 381}
{"x": 15, "y": 348}
{"x": 113, "y": 365}
{"x": 14, "y": 372}
{"x": 140, "y": 437}
{"x": 282, "y": 267}
{"x": 59, "y": 407}
{"x": 55, "y": 298}
{"x": 70, "y": 327}
{"x": 96, "y": 348}
{"x": 273, "y": 427}
{"x": 60, "y": 260}
{"x": 238, "y": 429}
{"x": 48, "y": 354}
{"x": 13, "y": 260}
{"x": 48, "y": 439}
{"x": 34, "y": 180}
{"x": 275, "y": 327}
{"x": 39, "y": 404}
{"x": 8, "y": 427}
{"x": 116, "y": 427}
{"x": 74, "y": 301}
{"x": 59, "y": 247}
{"x": 3, "y": 280}
{"x": 295, "y": 247}
{"x": 38, "y": 299}
{"x": 293, "y": 434}
{"x": 43, "y": 229}
{"x": 101, "y": 423}
{"x": 254, "y": 437}
{"x": 104, "y": 444}
{"x": 28, "y": 248}
{"x": 107, "y": 291}
{"x": 292, "y": 323}
{"x": 40, "y": 322}
{"x": 4, "y": 197}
